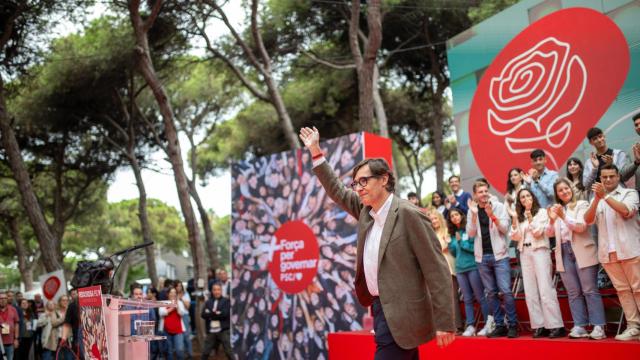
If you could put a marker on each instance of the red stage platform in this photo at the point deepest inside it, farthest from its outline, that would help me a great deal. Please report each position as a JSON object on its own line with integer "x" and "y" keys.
{"x": 360, "y": 345}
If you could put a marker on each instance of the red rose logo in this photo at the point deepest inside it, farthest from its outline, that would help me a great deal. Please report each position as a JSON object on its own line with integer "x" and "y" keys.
{"x": 51, "y": 287}
{"x": 545, "y": 89}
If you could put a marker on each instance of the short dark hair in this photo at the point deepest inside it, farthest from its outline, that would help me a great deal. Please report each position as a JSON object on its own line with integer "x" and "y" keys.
{"x": 452, "y": 177}
{"x": 378, "y": 167}
{"x": 484, "y": 180}
{"x": 609, "y": 167}
{"x": 635, "y": 117}
{"x": 134, "y": 286}
{"x": 593, "y": 132}
{"x": 412, "y": 194}
{"x": 478, "y": 184}
{"x": 537, "y": 153}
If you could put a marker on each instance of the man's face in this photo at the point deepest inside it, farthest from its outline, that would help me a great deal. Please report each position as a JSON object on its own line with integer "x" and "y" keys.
{"x": 374, "y": 191}
{"x": 599, "y": 142}
{"x": 636, "y": 124}
{"x": 223, "y": 276}
{"x": 610, "y": 179}
{"x": 454, "y": 184}
{"x": 413, "y": 200}
{"x": 216, "y": 291}
{"x": 37, "y": 298}
{"x": 9, "y": 295}
{"x": 539, "y": 164}
{"x": 18, "y": 296}
{"x": 4, "y": 300}
{"x": 137, "y": 294}
{"x": 482, "y": 195}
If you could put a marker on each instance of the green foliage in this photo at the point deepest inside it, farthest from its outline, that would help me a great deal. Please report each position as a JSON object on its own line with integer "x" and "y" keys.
{"x": 488, "y": 8}
{"x": 222, "y": 230}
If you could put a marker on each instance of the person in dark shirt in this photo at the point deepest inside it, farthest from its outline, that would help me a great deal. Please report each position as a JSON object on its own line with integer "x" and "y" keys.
{"x": 216, "y": 314}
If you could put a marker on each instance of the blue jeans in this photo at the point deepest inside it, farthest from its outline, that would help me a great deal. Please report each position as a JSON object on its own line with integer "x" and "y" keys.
{"x": 496, "y": 277}
{"x": 176, "y": 344}
{"x": 585, "y": 300}
{"x": 471, "y": 286}
{"x": 8, "y": 351}
{"x": 187, "y": 335}
{"x": 48, "y": 354}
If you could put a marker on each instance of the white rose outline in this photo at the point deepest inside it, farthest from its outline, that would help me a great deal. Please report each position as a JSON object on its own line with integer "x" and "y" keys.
{"x": 526, "y": 91}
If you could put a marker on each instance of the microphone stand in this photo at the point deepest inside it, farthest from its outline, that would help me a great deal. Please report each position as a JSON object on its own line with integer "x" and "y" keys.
{"x": 125, "y": 253}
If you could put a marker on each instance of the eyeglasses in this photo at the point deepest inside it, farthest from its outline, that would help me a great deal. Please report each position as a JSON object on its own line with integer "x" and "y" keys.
{"x": 362, "y": 181}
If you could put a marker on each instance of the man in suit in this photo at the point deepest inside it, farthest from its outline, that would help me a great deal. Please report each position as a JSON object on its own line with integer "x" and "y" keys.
{"x": 216, "y": 314}
{"x": 400, "y": 270}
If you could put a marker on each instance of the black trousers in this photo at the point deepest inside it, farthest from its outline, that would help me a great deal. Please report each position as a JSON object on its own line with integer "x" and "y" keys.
{"x": 386, "y": 347}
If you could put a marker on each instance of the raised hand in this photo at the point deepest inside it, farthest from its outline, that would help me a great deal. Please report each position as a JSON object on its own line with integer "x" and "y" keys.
{"x": 553, "y": 216}
{"x": 608, "y": 159}
{"x": 512, "y": 212}
{"x": 528, "y": 215}
{"x": 636, "y": 152}
{"x": 598, "y": 189}
{"x": 473, "y": 206}
{"x": 310, "y": 137}
{"x": 452, "y": 199}
{"x": 559, "y": 211}
{"x": 594, "y": 160}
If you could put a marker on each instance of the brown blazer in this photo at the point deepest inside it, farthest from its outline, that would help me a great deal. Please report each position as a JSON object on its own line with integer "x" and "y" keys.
{"x": 414, "y": 281}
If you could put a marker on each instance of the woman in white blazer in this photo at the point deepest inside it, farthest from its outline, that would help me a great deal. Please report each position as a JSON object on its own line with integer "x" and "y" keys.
{"x": 576, "y": 260}
{"x": 527, "y": 228}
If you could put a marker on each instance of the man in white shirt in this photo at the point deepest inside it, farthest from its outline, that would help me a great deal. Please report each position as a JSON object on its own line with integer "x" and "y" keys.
{"x": 400, "y": 270}
{"x": 615, "y": 209}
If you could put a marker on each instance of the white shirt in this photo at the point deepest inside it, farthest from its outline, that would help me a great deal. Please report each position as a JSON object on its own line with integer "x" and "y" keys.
{"x": 372, "y": 246}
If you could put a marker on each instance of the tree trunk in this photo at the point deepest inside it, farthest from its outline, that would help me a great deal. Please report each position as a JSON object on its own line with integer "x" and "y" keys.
{"x": 283, "y": 114}
{"x": 123, "y": 272}
{"x": 209, "y": 236}
{"x": 437, "y": 147}
{"x": 46, "y": 239}
{"x": 144, "y": 221}
{"x": 148, "y": 72}
{"x": 26, "y": 271}
{"x": 381, "y": 115}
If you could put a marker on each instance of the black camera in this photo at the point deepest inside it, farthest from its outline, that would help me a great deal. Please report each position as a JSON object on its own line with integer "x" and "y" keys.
{"x": 90, "y": 273}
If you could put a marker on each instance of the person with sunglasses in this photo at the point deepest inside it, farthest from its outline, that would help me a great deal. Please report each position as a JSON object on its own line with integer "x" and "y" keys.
{"x": 400, "y": 269}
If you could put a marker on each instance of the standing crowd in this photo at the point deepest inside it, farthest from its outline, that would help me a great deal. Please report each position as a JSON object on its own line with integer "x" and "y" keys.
{"x": 572, "y": 225}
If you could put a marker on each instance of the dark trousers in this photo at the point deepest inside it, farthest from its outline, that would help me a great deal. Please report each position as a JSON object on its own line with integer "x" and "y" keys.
{"x": 386, "y": 347}
{"x": 213, "y": 341}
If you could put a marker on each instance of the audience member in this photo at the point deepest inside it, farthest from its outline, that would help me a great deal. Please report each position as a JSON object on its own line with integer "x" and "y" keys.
{"x": 10, "y": 323}
{"x": 576, "y": 260}
{"x": 615, "y": 210}
{"x": 528, "y": 223}
{"x": 540, "y": 179}
{"x": 515, "y": 181}
{"x": 489, "y": 225}
{"x": 603, "y": 155}
{"x": 172, "y": 324}
{"x": 461, "y": 247}
{"x": 459, "y": 198}
{"x": 51, "y": 324}
{"x": 216, "y": 314}
{"x": 575, "y": 171}
{"x": 633, "y": 168}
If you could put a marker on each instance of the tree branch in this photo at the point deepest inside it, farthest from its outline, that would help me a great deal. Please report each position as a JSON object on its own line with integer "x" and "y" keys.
{"x": 328, "y": 63}
{"x": 354, "y": 25}
{"x": 152, "y": 18}
{"x": 257, "y": 37}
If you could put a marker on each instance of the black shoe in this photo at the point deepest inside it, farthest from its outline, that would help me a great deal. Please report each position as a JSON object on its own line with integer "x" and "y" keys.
{"x": 499, "y": 331}
{"x": 512, "y": 333}
{"x": 557, "y": 333}
{"x": 540, "y": 332}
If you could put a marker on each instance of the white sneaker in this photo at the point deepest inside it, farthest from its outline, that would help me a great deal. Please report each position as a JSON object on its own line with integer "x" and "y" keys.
{"x": 598, "y": 333}
{"x": 578, "y": 332}
{"x": 469, "y": 331}
{"x": 629, "y": 334}
{"x": 488, "y": 327}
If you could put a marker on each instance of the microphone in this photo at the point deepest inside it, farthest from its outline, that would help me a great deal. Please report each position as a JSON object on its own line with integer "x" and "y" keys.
{"x": 133, "y": 248}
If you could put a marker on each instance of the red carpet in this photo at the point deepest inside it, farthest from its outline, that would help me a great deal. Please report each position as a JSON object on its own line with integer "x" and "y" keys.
{"x": 360, "y": 345}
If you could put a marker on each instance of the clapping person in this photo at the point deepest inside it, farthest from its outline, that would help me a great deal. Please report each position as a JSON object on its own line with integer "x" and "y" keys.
{"x": 528, "y": 223}
{"x": 540, "y": 179}
{"x": 171, "y": 323}
{"x": 51, "y": 323}
{"x": 459, "y": 198}
{"x": 633, "y": 168}
{"x": 461, "y": 247}
{"x": 576, "y": 260}
{"x": 615, "y": 209}
{"x": 438, "y": 202}
{"x": 603, "y": 155}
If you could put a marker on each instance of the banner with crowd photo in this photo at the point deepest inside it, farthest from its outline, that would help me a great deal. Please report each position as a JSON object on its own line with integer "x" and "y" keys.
{"x": 539, "y": 75}
{"x": 94, "y": 334}
{"x": 294, "y": 252}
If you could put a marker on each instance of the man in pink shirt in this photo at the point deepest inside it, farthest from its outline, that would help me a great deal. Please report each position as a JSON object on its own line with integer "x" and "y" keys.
{"x": 8, "y": 326}
{"x": 615, "y": 210}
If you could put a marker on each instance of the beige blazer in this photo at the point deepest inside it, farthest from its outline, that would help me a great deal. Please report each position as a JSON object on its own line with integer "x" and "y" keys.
{"x": 414, "y": 281}
{"x": 582, "y": 243}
